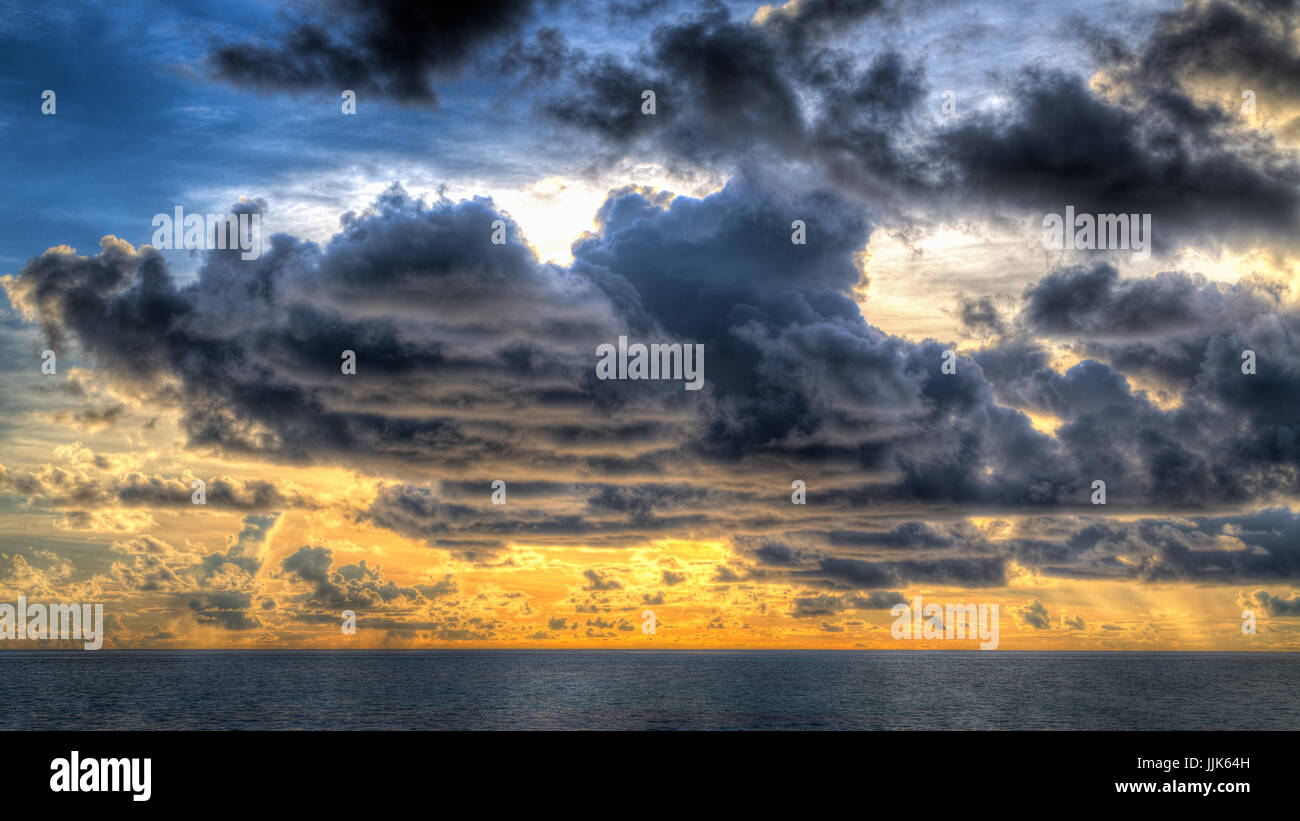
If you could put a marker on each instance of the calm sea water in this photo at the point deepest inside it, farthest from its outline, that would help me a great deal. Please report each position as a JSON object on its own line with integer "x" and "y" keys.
{"x": 616, "y": 690}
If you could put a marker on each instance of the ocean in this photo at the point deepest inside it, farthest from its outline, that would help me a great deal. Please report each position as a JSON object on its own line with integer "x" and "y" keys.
{"x": 646, "y": 690}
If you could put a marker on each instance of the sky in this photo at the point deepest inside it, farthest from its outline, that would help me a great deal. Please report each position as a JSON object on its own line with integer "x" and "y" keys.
{"x": 841, "y": 202}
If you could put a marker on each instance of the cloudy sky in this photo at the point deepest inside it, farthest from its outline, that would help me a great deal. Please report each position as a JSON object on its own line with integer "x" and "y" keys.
{"x": 921, "y": 144}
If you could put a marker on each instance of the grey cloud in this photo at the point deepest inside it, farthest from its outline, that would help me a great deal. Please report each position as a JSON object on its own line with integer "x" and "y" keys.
{"x": 390, "y": 49}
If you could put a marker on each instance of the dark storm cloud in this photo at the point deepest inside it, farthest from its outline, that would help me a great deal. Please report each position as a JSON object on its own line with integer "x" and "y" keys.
{"x": 350, "y": 586}
{"x": 1035, "y": 615}
{"x": 640, "y": 503}
{"x": 1143, "y": 143}
{"x": 729, "y": 91}
{"x": 632, "y": 9}
{"x": 1256, "y": 547}
{"x": 1250, "y": 42}
{"x": 226, "y": 609}
{"x": 974, "y": 572}
{"x": 146, "y": 574}
{"x": 1063, "y": 145}
{"x": 60, "y": 488}
{"x": 248, "y": 551}
{"x": 1237, "y": 548}
{"x": 445, "y": 587}
{"x": 599, "y": 581}
{"x": 1165, "y": 328}
{"x": 828, "y": 605}
{"x": 981, "y": 316}
{"x": 777, "y": 553}
{"x": 478, "y": 530}
{"x": 216, "y": 582}
{"x": 755, "y": 300}
{"x": 917, "y": 535}
{"x": 797, "y": 384}
{"x": 1272, "y": 605}
{"x": 1094, "y": 303}
{"x": 257, "y": 346}
{"x": 1269, "y": 548}
{"x": 726, "y": 89}
{"x": 1200, "y": 454}
{"x": 1191, "y": 335}
{"x": 392, "y": 48}
{"x": 794, "y": 369}
{"x": 1231, "y": 436}
{"x": 871, "y": 559}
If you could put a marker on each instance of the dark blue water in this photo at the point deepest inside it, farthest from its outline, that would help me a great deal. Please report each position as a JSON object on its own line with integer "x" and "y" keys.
{"x": 616, "y": 690}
